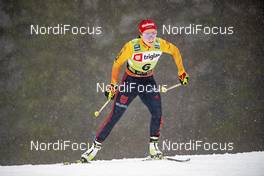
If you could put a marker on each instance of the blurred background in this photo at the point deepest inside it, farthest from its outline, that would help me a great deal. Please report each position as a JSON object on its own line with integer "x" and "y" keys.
{"x": 48, "y": 82}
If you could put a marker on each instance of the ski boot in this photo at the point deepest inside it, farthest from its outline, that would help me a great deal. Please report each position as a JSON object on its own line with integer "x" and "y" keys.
{"x": 154, "y": 151}
{"x": 91, "y": 152}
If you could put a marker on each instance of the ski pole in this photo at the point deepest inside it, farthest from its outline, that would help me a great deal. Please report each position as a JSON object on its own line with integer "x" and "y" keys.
{"x": 164, "y": 89}
{"x": 97, "y": 113}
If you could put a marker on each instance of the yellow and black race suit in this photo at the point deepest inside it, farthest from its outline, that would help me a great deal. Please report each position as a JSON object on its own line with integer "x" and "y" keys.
{"x": 141, "y": 60}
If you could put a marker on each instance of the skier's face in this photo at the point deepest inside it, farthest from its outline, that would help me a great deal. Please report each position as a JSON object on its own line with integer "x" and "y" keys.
{"x": 149, "y": 36}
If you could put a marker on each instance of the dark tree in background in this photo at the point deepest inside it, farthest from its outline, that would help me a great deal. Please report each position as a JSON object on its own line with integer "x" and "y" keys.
{"x": 48, "y": 82}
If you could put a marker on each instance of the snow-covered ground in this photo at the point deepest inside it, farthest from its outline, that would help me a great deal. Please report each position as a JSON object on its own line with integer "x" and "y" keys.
{"x": 241, "y": 164}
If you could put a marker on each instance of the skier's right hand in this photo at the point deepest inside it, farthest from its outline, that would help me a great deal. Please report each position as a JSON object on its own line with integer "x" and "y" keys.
{"x": 110, "y": 92}
{"x": 184, "y": 78}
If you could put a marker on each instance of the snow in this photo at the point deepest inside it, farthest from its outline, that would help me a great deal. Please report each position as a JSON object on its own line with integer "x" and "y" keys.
{"x": 240, "y": 164}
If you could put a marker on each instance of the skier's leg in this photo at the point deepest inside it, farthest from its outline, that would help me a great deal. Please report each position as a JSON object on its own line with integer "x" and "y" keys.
{"x": 121, "y": 101}
{"x": 120, "y": 104}
{"x": 152, "y": 100}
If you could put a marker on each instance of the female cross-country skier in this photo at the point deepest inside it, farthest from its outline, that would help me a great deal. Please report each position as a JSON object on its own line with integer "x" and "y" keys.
{"x": 141, "y": 55}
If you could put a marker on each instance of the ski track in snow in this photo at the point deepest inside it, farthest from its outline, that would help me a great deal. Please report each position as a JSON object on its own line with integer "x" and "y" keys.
{"x": 240, "y": 164}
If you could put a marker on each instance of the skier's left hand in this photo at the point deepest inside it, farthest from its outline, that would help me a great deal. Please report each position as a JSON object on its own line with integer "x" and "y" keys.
{"x": 184, "y": 78}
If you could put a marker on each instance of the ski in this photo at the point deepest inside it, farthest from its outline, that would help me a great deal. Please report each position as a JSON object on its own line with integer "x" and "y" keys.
{"x": 168, "y": 159}
{"x": 178, "y": 160}
{"x": 74, "y": 162}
